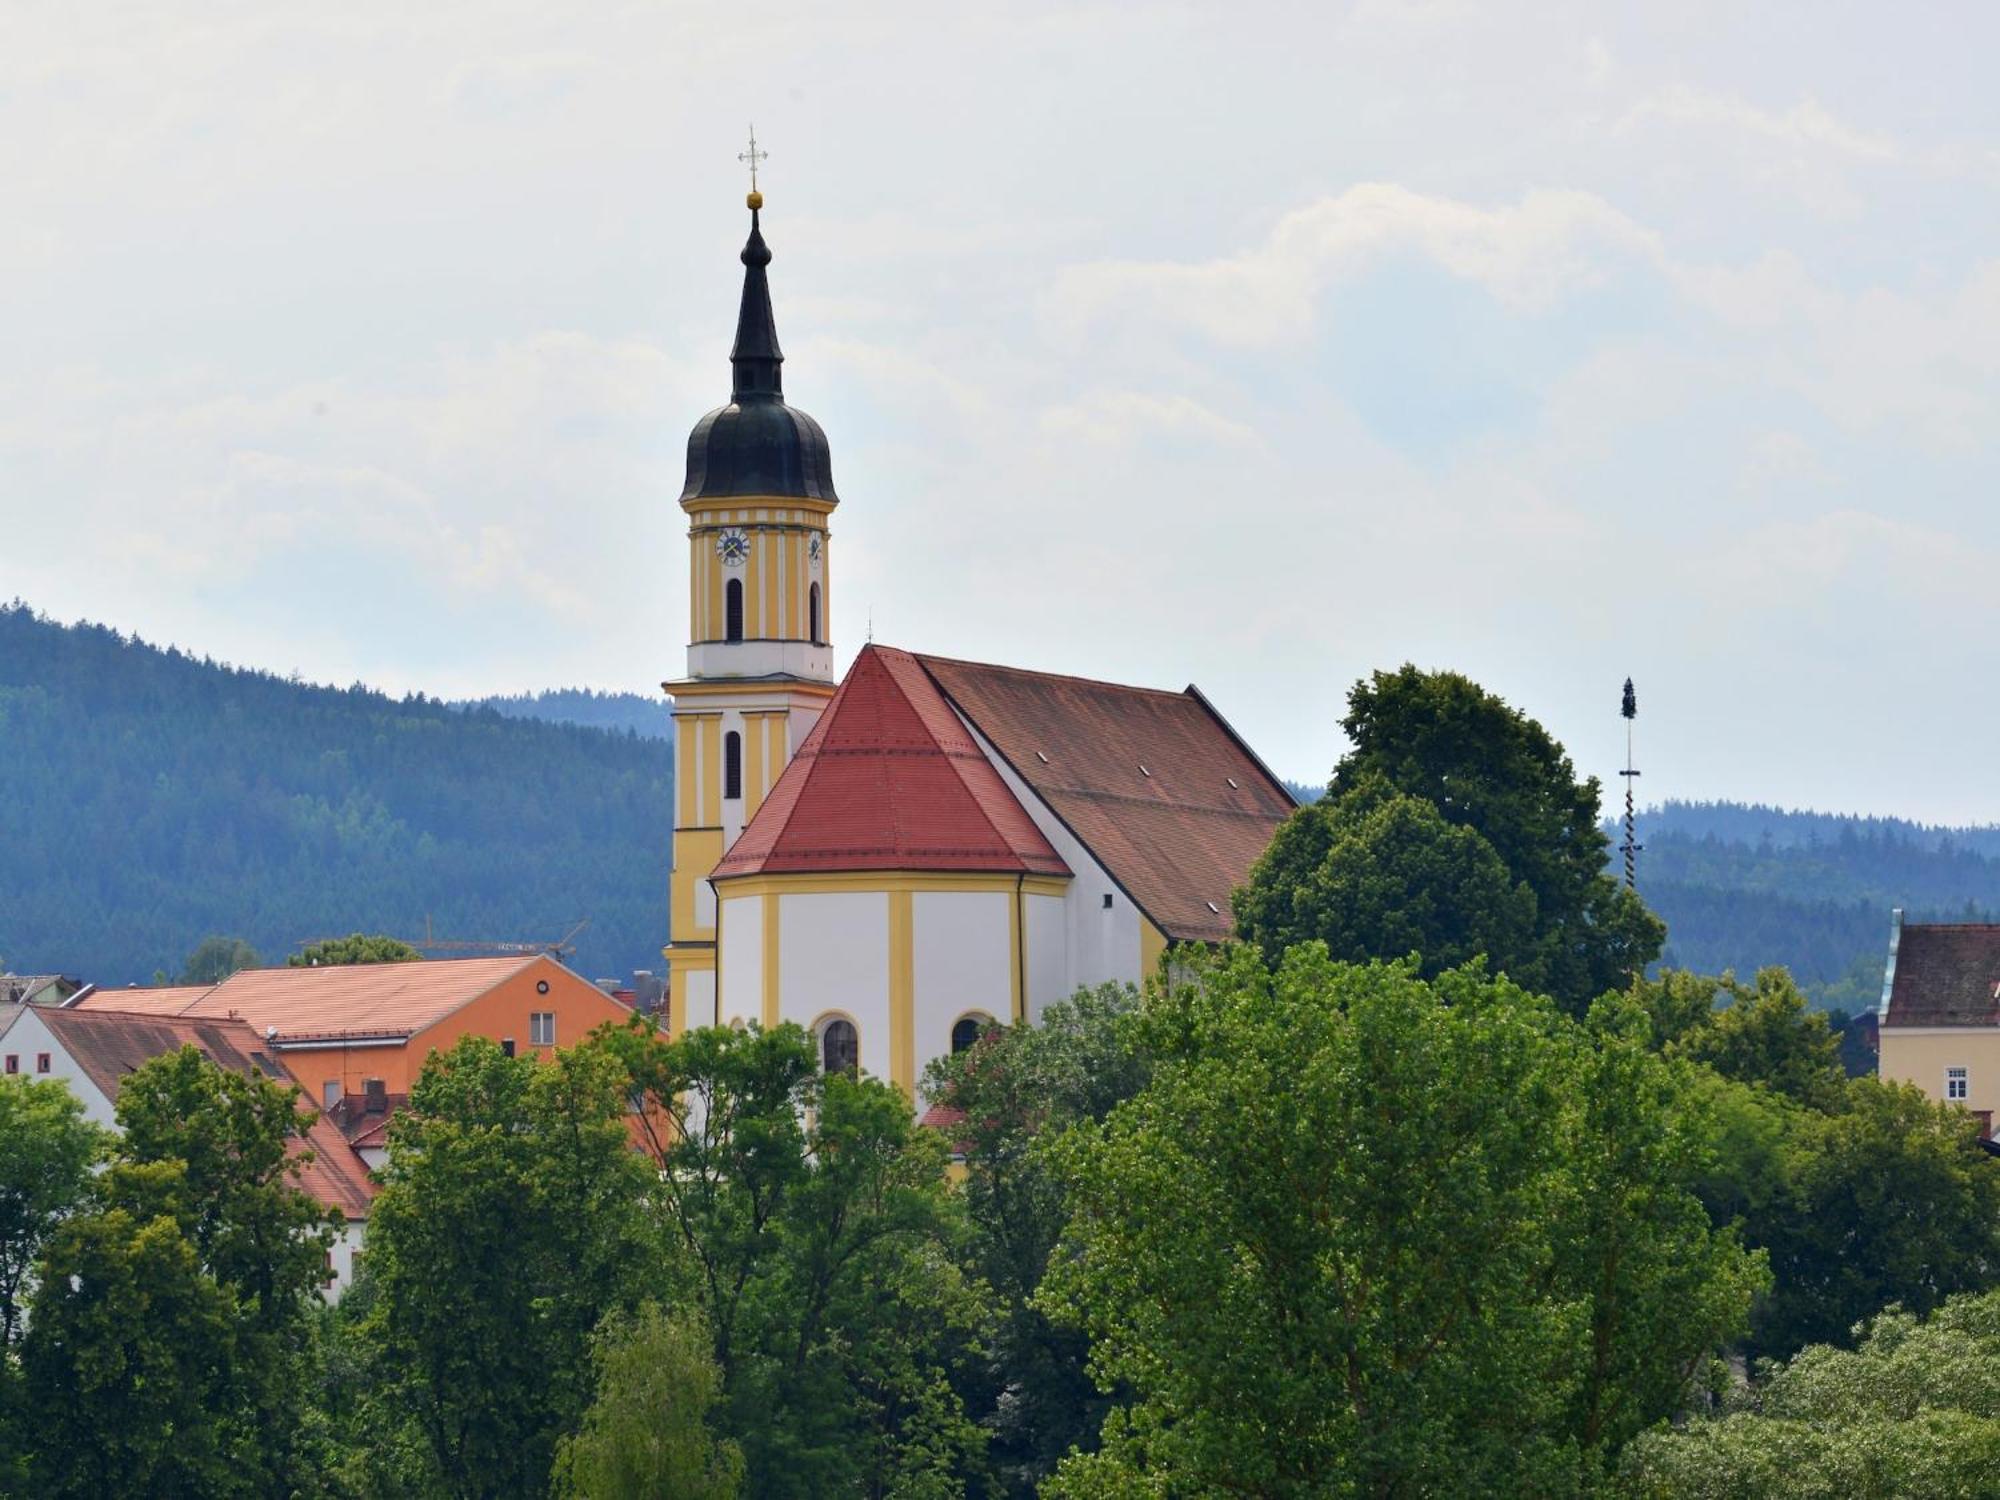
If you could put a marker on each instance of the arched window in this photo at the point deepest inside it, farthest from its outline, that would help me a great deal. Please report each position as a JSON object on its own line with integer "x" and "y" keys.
{"x": 732, "y": 610}
{"x": 812, "y": 614}
{"x": 968, "y": 1031}
{"x": 732, "y": 764}
{"x": 840, "y": 1047}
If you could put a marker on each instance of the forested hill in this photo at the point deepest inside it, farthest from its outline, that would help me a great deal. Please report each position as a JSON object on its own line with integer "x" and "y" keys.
{"x": 649, "y": 717}
{"x": 1743, "y": 885}
{"x": 149, "y": 799}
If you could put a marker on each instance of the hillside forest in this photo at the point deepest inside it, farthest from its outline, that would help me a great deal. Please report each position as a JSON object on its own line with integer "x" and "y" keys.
{"x": 162, "y": 799}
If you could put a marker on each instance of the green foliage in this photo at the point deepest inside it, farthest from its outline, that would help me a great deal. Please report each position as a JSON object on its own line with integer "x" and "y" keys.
{"x": 1019, "y": 1088}
{"x": 1454, "y": 827}
{"x": 827, "y": 1252}
{"x": 1366, "y": 1234}
{"x": 1375, "y": 874}
{"x": 167, "y": 1340}
{"x": 126, "y": 1362}
{"x": 646, "y": 1432}
{"x": 1888, "y": 1199}
{"x": 1765, "y": 1035}
{"x": 510, "y": 1223}
{"x": 1914, "y": 1410}
{"x": 211, "y": 799}
{"x": 215, "y": 959}
{"x": 357, "y": 948}
{"x": 47, "y": 1149}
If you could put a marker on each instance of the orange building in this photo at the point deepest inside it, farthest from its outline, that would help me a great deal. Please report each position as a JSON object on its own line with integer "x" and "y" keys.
{"x": 356, "y": 1035}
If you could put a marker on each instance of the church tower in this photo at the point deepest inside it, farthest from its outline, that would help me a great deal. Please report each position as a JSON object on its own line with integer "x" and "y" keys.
{"x": 758, "y": 496}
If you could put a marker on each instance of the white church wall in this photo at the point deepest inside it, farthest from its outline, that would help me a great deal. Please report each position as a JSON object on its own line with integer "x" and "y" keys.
{"x": 1102, "y": 941}
{"x": 741, "y": 956}
{"x": 962, "y": 955}
{"x": 701, "y": 1008}
{"x": 1047, "y": 924}
{"x": 833, "y": 955}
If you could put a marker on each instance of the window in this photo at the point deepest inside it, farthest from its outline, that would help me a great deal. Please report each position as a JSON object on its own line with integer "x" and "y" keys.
{"x": 1955, "y": 1083}
{"x": 732, "y": 610}
{"x": 41, "y": 1062}
{"x": 13, "y": 1062}
{"x": 506, "y": 1046}
{"x": 329, "y": 1095}
{"x": 840, "y": 1047}
{"x": 542, "y": 1029}
{"x": 732, "y": 765}
{"x": 968, "y": 1031}
{"x": 812, "y": 614}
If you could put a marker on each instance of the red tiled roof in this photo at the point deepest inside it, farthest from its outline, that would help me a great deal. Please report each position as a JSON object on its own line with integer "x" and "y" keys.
{"x": 1947, "y": 974}
{"x": 889, "y": 780}
{"x": 392, "y": 1000}
{"x": 108, "y": 1045}
{"x": 1141, "y": 777}
{"x": 167, "y": 1000}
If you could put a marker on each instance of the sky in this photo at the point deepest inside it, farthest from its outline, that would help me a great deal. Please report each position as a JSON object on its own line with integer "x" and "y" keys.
{"x": 1256, "y": 346}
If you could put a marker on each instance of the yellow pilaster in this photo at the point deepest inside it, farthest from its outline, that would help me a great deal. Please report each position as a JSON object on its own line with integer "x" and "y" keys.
{"x": 755, "y": 782}
{"x": 902, "y": 992}
{"x": 771, "y": 958}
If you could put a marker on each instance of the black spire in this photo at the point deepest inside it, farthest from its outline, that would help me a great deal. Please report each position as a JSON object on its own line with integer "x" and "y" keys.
{"x": 756, "y": 358}
{"x": 757, "y": 445}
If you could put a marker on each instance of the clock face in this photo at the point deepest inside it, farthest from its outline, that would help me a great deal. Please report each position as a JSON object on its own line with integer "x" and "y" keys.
{"x": 732, "y": 547}
{"x": 812, "y": 549}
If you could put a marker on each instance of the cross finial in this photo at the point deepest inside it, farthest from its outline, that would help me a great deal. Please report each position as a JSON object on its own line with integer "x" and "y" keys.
{"x": 755, "y": 158}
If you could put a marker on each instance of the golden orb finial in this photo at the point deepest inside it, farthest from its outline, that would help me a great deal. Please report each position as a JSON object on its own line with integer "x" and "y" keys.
{"x": 754, "y": 199}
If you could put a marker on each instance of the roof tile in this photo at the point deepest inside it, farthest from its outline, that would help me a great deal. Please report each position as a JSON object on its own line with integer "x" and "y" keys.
{"x": 1155, "y": 784}
{"x": 889, "y": 779}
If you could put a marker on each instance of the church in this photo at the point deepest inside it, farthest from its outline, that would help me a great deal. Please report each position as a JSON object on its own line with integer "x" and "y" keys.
{"x": 901, "y": 858}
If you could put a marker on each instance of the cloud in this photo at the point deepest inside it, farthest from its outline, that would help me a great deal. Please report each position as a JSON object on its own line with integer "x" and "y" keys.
{"x": 1549, "y": 243}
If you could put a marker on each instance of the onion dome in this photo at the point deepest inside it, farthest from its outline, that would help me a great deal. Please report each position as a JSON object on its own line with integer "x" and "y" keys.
{"x": 757, "y": 445}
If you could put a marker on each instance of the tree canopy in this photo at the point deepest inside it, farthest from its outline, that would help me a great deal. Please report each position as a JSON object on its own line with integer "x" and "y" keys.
{"x": 1455, "y": 826}
{"x": 357, "y": 948}
{"x": 1364, "y": 1233}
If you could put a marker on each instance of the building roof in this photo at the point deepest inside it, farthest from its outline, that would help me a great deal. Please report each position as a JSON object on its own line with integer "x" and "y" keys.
{"x": 344, "y": 1000}
{"x": 1946, "y": 974}
{"x": 107, "y": 1045}
{"x": 889, "y": 779}
{"x": 1155, "y": 784}
{"x": 161, "y": 1000}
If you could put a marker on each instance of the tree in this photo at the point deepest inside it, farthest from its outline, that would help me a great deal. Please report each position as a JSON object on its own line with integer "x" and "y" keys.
{"x": 126, "y": 1361}
{"x": 646, "y": 1432}
{"x": 1888, "y": 1199}
{"x": 1487, "y": 767}
{"x": 1360, "y": 1234}
{"x": 356, "y": 948}
{"x": 1011, "y": 1094}
{"x": 216, "y": 959}
{"x": 510, "y": 1223}
{"x": 238, "y": 1142}
{"x": 1375, "y": 874}
{"x": 47, "y": 1149}
{"x": 826, "y": 1249}
{"x": 1913, "y": 1410}
{"x": 1766, "y": 1036}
